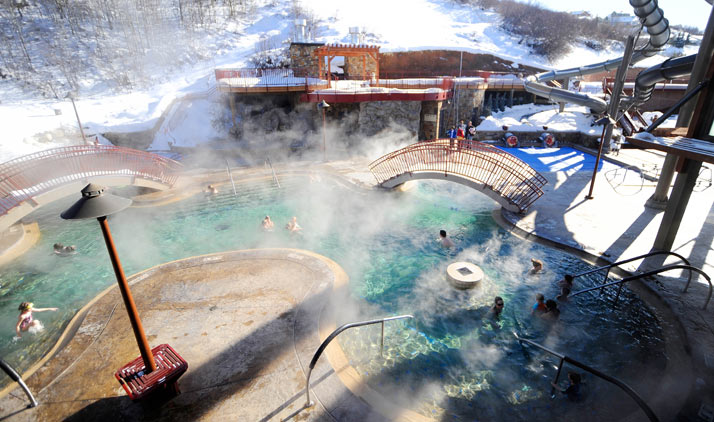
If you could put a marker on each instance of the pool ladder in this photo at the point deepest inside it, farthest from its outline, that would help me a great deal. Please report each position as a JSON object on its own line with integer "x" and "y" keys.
{"x": 645, "y": 408}
{"x": 10, "y": 371}
{"x": 332, "y": 336}
{"x": 685, "y": 266}
{"x": 275, "y": 176}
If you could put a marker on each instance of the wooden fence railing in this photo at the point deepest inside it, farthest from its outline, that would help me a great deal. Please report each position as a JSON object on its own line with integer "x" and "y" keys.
{"x": 511, "y": 178}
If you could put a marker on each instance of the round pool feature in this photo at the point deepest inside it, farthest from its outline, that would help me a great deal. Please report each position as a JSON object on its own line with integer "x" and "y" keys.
{"x": 464, "y": 275}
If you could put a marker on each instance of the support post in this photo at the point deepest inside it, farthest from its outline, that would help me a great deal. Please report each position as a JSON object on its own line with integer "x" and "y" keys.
{"x": 81, "y": 130}
{"x": 677, "y": 205}
{"x": 613, "y": 107}
{"x": 658, "y": 200}
{"x": 138, "y": 329}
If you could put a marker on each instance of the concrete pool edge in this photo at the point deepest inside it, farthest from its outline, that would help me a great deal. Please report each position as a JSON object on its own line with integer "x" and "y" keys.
{"x": 30, "y": 235}
{"x": 677, "y": 344}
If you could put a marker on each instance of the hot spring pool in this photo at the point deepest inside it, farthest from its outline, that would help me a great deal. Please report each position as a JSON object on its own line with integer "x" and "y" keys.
{"x": 446, "y": 362}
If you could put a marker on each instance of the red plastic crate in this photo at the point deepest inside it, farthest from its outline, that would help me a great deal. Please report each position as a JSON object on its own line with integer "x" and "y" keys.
{"x": 169, "y": 367}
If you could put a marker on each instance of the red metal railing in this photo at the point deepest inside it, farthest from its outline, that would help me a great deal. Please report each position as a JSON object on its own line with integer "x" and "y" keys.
{"x": 266, "y": 80}
{"x": 503, "y": 173}
{"x": 25, "y": 177}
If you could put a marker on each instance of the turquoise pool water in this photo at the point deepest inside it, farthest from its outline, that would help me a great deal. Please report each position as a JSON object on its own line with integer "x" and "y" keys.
{"x": 448, "y": 361}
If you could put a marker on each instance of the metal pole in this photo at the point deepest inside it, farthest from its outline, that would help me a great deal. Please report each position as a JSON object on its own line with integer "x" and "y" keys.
{"x": 613, "y": 106}
{"x": 144, "y": 348}
{"x": 78, "y": 122}
{"x": 324, "y": 141}
{"x": 557, "y": 375}
{"x": 10, "y": 371}
{"x": 381, "y": 344}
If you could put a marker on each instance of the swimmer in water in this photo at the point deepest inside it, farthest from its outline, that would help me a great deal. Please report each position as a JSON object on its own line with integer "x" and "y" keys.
{"x": 293, "y": 226}
{"x": 268, "y": 224}
{"x": 25, "y": 320}
{"x": 445, "y": 241}
{"x": 537, "y": 266}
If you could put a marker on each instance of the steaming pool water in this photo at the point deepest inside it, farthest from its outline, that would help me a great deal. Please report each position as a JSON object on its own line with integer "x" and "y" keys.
{"x": 447, "y": 362}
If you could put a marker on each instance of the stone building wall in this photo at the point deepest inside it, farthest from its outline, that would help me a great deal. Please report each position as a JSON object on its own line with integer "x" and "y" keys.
{"x": 470, "y": 104}
{"x": 353, "y": 67}
{"x": 302, "y": 60}
{"x": 429, "y": 119}
{"x": 376, "y": 116}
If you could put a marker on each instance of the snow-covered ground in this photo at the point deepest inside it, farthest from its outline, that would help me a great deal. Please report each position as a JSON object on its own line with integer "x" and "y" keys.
{"x": 30, "y": 124}
{"x": 531, "y": 117}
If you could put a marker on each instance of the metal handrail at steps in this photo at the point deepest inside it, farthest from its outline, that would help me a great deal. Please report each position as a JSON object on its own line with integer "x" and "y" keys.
{"x": 626, "y": 388}
{"x": 332, "y": 336}
{"x": 275, "y": 176}
{"x": 654, "y": 272}
{"x": 625, "y": 261}
{"x": 12, "y": 373}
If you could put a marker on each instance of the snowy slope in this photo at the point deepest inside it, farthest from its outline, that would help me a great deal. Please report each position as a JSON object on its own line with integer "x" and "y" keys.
{"x": 31, "y": 124}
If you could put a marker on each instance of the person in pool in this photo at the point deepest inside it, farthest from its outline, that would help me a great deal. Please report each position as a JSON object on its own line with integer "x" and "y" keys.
{"x": 446, "y": 242}
{"x": 566, "y": 286}
{"x": 267, "y": 224}
{"x": 211, "y": 190}
{"x": 537, "y": 266}
{"x": 573, "y": 388}
{"x": 539, "y": 306}
{"x": 293, "y": 226}
{"x": 25, "y": 320}
{"x": 497, "y": 306}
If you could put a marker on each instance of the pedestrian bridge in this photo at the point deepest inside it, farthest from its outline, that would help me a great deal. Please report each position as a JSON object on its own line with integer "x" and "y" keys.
{"x": 506, "y": 179}
{"x": 31, "y": 181}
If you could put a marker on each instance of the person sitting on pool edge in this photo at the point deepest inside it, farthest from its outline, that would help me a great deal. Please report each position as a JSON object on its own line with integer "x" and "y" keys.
{"x": 446, "y": 242}
{"x": 537, "y": 266}
{"x": 211, "y": 190}
{"x": 267, "y": 223}
{"x": 539, "y": 306}
{"x": 573, "y": 388}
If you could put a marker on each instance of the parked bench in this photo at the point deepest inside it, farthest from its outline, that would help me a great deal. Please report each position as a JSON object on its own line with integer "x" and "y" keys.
{"x": 169, "y": 367}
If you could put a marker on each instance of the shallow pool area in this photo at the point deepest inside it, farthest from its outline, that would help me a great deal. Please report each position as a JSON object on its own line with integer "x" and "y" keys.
{"x": 450, "y": 362}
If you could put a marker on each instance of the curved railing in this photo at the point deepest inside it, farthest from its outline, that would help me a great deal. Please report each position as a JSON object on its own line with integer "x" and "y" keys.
{"x": 624, "y": 387}
{"x": 332, "y": 336}
{"x": 29, "y": 176}
{"x": 654, "y": 272}
{"x": 485, "y": 165}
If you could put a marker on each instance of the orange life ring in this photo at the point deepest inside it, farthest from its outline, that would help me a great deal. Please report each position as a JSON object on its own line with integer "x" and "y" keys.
{"x": 549, "y": 141}
{"x": 512, "y": 141}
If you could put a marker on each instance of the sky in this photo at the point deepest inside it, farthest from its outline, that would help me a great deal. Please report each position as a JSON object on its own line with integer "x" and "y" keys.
{"x": 678, "y": 12}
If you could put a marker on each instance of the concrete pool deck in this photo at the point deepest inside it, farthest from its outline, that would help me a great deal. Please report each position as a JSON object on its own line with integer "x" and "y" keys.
{"x": 248, "y": 322}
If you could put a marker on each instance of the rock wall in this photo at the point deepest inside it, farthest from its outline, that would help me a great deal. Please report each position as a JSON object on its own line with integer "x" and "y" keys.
{"x": 354, "y": 67}
{"x": 377, "y": 116}
{"x": 302, "y": 61}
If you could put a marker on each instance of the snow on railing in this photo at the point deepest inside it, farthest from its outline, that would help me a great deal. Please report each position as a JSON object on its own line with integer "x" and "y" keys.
{"x": 31, "y": 175}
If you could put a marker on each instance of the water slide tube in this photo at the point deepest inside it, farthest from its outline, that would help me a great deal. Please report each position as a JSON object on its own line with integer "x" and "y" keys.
{"x": 648, "y": 78}
{"x": 657, "y": 27}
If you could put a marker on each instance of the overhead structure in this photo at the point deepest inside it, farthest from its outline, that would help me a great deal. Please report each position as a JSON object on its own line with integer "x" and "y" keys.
{"x": 366, "y": 52}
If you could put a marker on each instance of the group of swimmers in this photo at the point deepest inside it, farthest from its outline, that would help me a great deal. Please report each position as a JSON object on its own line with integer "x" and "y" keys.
{"x": 292, "y": 226}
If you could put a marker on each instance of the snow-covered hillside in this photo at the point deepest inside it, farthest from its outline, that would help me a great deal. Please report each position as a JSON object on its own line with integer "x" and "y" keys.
{"x": 30, "y": 123}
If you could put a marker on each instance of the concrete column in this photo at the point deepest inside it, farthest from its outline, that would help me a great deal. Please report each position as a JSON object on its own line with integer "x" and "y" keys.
{"x": 704, "y": 56}
{"x": 232, "y": 100}
{"x": 682, "y": 191}
{"x": 429, "y": 120}
{"x": 658, "y": 200}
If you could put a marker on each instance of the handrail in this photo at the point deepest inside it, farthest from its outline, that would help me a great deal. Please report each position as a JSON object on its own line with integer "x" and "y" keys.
{"x": 653, "y": 272}
{"x": 228, "y": 168}
{"x": 26, "y": 177}
{"x": 563, "y": 358}
{"x": 10, "y": 371}
{"x": 506, "y": 175}
{"x": 625, "y": 261}
{"x": 275, "y": 176}
{"x": 334, "y": 334}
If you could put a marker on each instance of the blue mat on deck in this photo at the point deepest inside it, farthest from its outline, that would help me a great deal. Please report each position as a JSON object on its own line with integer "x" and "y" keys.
{"x": 565, "y": 159}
